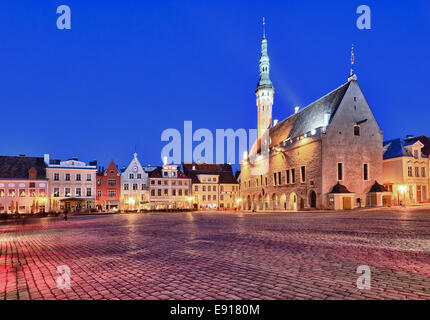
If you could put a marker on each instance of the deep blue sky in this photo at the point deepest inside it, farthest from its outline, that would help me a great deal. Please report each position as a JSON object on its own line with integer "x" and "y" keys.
{"x": 130, "y": 69}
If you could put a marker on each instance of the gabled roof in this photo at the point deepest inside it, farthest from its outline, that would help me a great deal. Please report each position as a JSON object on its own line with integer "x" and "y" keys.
{"x": 224, "y": 171}
{"x": 12, "y": 167}
{"x": 396, "y": 148}
{"x": 307, "y": 119}
{"x": 157, "y": 174}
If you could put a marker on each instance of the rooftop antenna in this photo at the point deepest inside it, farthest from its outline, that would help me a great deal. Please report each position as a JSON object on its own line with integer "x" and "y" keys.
{"x": 352, "y": 60}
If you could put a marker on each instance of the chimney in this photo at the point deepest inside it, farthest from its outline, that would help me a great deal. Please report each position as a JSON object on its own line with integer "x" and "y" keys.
{"x": 296, "y": 109}
{"x": 46, "y": 158}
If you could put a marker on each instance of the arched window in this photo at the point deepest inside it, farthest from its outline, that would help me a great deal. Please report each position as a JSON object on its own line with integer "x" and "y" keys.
{"x": 356, "y": 130}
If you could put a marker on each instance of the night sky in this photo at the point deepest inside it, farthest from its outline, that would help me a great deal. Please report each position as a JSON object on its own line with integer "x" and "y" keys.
{"x": 127, "y": 70}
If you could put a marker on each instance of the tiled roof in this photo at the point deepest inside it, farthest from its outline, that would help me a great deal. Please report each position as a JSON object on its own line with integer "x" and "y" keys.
{"x": 339, "y": 188}
{"x": 12, "y": 167}
{"x": 224, "y": 171}
{"x": 378, "y": 188}
{"x": 396, "y": 148}
{"x": 307, "y": 119}
{"x": 157, "y": 174}
{"x": 424, "y": 140}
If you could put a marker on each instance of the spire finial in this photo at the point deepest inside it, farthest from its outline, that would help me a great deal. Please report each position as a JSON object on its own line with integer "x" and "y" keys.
{"x": 264, "y": 28}
{"x": 352, "y": 60}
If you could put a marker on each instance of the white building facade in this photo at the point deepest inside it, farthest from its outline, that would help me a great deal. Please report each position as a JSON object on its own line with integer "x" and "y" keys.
{"x": 72, "y": 184}
{"x": 134, "y": 187}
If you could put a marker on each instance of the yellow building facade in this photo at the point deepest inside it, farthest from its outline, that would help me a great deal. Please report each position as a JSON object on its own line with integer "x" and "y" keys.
{"x": 405, "y": 172}
{"x": 214, "y": 186}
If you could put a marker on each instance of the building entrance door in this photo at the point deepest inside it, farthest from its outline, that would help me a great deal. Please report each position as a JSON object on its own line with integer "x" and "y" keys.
{"x": 293, "y": 201}
{"x": 346, "y": 203}
{"x": 419, "y": 194}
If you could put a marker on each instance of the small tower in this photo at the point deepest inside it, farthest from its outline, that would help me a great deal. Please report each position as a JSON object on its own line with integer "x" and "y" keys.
{"x": 265, "y": 90}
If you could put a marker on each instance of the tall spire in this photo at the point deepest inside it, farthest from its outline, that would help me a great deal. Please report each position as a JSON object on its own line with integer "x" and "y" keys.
{"x": 264, "y": 29}
{"x": 264, "y": 63}
{"x": 352, "y": 75}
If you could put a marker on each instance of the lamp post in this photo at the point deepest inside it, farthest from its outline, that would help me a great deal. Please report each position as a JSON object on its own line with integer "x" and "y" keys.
{"x": 190, "y": 199}
{"x": 402, "y": 190}
{"x": 131, "y": 202}
{"x": 238, "y": 202}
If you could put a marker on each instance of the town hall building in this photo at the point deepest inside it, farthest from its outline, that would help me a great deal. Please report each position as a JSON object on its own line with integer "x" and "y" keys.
{"x": 327, "y": 155}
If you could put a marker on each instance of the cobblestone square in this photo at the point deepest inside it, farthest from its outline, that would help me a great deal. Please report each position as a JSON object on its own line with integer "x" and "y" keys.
{"x": 306, "y": 255}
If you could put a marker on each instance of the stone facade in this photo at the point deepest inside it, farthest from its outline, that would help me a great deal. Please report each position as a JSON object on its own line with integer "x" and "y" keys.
{"x": 297, "y": 163}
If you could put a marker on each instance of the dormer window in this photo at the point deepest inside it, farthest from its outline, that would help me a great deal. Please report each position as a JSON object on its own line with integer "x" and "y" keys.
{"x": 416, "y": 154}
{"x": 356, "y": 130}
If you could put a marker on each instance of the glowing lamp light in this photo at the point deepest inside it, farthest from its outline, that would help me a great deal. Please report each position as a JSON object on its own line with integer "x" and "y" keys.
{"x": 131, "y": 201}
{"x": 402, "y": 188}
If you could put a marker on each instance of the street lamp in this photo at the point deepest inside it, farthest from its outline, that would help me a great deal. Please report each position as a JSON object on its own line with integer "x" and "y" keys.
{"x": 190, "y": 199}
{"x": 131, "y": 202}
{"x": 402, "y": 189}
{"x": 238, "y": 201}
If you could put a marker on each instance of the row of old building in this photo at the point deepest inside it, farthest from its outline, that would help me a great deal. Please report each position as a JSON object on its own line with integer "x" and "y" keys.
{"x": 36, "y": 184}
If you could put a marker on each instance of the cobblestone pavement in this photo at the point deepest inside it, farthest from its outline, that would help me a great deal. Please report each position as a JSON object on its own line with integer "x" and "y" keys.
{"x": 219, "y": 256}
